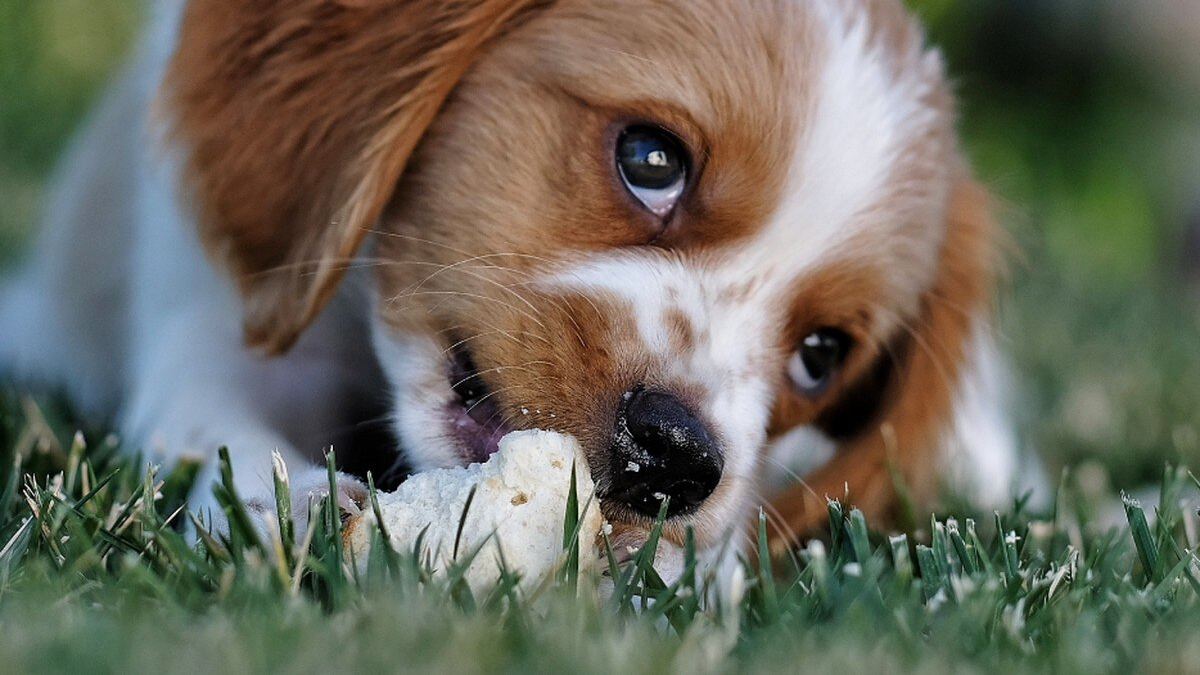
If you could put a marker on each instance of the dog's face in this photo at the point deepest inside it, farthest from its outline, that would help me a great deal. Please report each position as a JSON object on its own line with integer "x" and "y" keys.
{"x": 674, "y": 230}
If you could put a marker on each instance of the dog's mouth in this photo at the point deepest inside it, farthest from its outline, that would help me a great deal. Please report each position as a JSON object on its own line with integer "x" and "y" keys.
{"x": 474, "y": 415}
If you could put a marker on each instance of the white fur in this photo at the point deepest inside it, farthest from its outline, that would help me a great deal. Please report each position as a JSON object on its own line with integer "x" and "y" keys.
{"x": 983, "y": 458}
{"x": 724, "y": 364}
{"x": 795, "y": 454}
{"x": 858, "y": 123}
{"x": 415, "y": 367}
{"x": 120, "y": 304}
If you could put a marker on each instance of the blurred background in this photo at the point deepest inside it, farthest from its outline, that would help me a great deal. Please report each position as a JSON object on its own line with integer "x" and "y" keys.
{"x": 1083, "y": 116}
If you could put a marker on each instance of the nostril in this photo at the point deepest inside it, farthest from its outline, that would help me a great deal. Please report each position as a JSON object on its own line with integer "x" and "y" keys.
{"x": 662, "y": 426}
{"x": 662, "y": 450}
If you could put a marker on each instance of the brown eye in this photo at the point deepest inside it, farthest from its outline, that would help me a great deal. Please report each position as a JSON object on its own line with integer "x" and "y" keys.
{"x": 817, "y": 359}
{"x": 653, "y": 166}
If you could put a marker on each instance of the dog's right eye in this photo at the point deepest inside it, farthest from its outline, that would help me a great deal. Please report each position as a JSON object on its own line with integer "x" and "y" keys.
{"x": 654, "y": 167}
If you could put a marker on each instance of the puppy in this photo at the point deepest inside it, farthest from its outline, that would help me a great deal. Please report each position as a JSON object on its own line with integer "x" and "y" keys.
{"x": 699, "y": 235}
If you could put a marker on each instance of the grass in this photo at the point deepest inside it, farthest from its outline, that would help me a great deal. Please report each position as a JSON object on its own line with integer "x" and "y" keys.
{"x": 1100, "y": 324}
{"x": 95, "y": 575}
{"x": 55, "y": 55}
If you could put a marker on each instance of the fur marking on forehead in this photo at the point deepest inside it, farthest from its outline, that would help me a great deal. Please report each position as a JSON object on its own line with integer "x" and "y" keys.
{"x": 869, "y": 110}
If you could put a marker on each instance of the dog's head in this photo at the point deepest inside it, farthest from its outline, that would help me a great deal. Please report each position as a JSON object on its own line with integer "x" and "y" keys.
{"x": 675, "y": 229}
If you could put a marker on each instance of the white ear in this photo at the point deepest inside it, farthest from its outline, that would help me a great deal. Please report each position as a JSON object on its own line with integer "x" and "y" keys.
{"x": 983, "y": 457}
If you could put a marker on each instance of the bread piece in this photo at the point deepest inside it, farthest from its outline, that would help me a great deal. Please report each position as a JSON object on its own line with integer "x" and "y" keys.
{"x": 521, "y": 498}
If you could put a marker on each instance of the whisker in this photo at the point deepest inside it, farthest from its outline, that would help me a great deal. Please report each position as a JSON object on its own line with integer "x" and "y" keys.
{"x": 788, "y": 471}
{"x": 943, "y": 369}
{"x": 420, "y": 240}
{"x": 499, "y": 391}
{"x": 457, "y": 268}
{"x": 525, "y": 367}
{"x": 620, "y": 52}
{"x": 793, "y": 476}
{"x": 957, "y": 307}
{"x": 776, "y": 518}
{"x": 494, "y": 331}
{"x": 473, "y": 296}
{"x": 468, "y": 257}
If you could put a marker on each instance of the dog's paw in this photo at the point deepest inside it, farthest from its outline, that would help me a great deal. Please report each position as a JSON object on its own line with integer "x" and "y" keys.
{"x": 306, "y": 490}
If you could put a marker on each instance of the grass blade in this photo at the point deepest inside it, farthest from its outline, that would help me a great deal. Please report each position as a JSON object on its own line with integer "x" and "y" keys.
{"x": 462, "y": 520}
{"x": 242, "y": 532}
{"x": 1142, "y": 538}
{"x": 571, "y": 523}
{"x": 283, "y": 505}
{"x": 766, "y": 576}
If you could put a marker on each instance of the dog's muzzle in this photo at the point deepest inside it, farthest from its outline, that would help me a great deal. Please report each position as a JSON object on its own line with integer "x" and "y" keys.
{"x": 660, "y": 451}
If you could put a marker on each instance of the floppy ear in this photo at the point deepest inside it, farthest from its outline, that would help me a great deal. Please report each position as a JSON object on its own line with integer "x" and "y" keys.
{"x": 901, "y": 435}
{"x": 297, "y": 118}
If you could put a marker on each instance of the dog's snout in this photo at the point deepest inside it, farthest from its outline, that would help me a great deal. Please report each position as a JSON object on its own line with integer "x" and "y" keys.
{"x": 662, "y": 426}
{"x": 662, "y": 450}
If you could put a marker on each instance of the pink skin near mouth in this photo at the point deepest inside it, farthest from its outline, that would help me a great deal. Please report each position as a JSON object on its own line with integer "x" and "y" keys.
{"x": 474, "y": 418}
{"x": 477, "y": 432}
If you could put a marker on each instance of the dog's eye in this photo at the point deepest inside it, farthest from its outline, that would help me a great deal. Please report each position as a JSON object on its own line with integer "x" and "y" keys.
{"x": 653, "y": 166}
{"x": 817, "y": 359}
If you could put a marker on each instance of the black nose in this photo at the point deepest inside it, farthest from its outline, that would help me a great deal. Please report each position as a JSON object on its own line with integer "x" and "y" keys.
{"x": 661, "y": 450}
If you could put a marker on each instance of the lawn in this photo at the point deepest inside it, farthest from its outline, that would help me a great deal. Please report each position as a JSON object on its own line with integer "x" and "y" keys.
{"x": 1078, "y": 137}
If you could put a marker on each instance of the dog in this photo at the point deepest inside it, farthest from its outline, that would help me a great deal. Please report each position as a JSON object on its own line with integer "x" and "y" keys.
{"x": 707, "y": 238}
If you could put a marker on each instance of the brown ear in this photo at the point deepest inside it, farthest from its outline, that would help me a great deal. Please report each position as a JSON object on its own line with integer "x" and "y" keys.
{"x": 904, "y": 436}
{"x": 298, "y": 117}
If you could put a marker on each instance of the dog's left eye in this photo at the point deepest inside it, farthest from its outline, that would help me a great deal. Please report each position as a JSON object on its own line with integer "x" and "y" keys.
{"x": 653, "y": 165}
{"x": 817, "y": 359}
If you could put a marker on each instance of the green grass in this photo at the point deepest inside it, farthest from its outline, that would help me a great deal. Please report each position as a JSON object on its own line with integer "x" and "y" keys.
{"x": 55, "y": 55}
{"x": 1102, "y": 329}
{"x": 93, "y": 576}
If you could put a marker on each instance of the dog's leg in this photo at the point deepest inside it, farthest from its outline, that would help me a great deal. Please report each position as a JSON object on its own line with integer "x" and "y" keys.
{"x": 62, "y": 316}
{"x": 197, "y": 389}
{"x": 193, "y": 386}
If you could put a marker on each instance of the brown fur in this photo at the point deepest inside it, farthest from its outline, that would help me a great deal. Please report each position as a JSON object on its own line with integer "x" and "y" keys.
{"x": 839, "y": 295}
{"x": 299, "y": 117}
{"x": 905, "y": 440}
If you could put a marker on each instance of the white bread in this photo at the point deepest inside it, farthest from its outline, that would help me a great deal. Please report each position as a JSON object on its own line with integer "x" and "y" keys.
{"x": 521, "y": 498}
